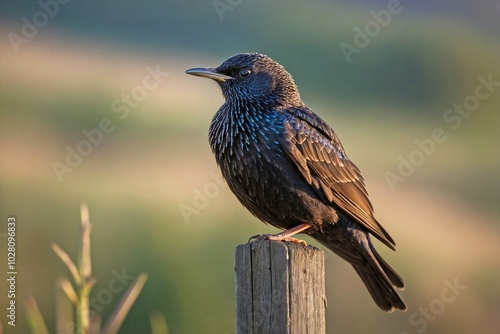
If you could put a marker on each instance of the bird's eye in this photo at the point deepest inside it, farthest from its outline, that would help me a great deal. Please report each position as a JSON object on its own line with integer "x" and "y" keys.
{"x": 244, "y": 73}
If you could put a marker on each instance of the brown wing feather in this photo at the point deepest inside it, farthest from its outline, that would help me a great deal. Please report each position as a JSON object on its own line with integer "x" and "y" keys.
{"x": 316, "y": 151}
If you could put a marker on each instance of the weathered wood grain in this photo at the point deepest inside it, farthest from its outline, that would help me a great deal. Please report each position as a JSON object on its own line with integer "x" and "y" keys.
{"x": 280, "y": 288}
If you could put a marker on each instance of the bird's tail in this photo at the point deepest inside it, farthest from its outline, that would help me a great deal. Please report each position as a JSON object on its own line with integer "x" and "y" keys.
{"x": 382, "y": 283}
{"x": 380, "y": 279}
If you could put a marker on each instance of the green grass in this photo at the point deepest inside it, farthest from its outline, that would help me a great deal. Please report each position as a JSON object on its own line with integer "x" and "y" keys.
{"x": 86, "y": 321}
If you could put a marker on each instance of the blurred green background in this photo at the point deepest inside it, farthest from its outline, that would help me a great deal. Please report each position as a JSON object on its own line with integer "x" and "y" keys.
{"x": 155, "y": 197}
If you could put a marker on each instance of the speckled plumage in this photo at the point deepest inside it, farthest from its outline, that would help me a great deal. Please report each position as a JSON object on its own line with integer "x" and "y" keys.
{"x": 287, "y": 166}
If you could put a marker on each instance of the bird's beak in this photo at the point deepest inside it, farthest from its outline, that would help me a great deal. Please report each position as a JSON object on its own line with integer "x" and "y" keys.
{"x": 210, "y": 73}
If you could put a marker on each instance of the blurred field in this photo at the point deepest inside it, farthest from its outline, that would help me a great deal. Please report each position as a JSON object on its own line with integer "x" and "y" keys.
{"x": 444, "y": 217}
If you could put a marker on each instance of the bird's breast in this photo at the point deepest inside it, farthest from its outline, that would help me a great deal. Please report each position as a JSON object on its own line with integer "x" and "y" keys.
{"x": 248, "y": 151}
{"x": 246, "y": 147}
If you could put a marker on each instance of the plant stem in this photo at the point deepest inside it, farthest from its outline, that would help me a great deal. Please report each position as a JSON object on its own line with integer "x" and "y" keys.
{"x": 85, "y": 268}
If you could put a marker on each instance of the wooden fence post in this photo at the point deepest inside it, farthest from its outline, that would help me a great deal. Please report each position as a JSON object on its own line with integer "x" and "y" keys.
{"x": 280, "y": 288}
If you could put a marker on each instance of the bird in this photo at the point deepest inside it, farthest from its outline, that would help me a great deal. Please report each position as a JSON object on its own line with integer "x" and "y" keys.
{"x": 287, "y": 166}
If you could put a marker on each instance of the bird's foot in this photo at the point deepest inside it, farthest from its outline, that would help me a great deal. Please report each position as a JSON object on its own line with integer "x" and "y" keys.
{"x": 283, "y": 236}
{"x": 257, "y": 237}
{"x": 275, "y": 237}
{"x": 288, "y": 239}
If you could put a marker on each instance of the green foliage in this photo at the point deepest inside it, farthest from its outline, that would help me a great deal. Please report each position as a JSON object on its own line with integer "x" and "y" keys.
{"x": 87, "y": 321}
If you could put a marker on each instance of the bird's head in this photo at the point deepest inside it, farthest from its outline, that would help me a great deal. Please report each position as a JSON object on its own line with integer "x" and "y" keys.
{"x": 253, "y": 78}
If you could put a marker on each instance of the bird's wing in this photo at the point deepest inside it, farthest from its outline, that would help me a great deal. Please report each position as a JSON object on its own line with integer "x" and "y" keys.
{"x": 317, "y": 152}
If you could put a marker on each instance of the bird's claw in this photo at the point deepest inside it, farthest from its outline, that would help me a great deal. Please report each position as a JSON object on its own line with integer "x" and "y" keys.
{"x": 258, "y": 237}
{"x": 294, "y": 240}
{"x": 272, "y": 237}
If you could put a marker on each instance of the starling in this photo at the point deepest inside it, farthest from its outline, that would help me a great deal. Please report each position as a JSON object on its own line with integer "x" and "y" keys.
{"x": 288, "y": 168}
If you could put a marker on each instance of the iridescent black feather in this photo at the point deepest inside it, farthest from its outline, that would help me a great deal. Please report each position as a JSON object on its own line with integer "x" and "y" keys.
{"x": 287, "y": 166}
